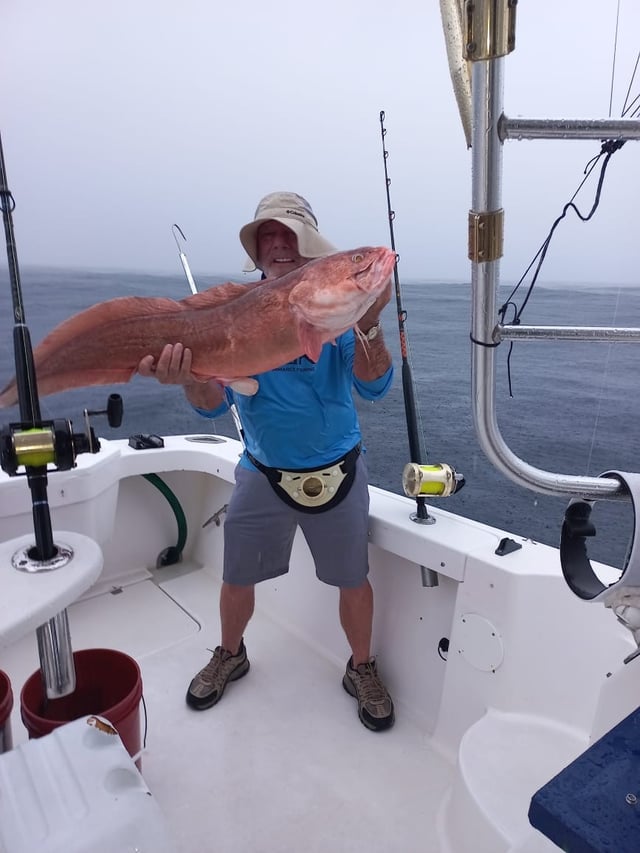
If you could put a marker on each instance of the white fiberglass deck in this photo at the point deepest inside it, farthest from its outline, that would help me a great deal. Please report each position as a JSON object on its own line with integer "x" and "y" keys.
{"x": 282, "y": 763}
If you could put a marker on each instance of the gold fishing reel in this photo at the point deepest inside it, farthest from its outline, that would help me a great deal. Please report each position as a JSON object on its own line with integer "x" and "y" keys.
{"x": 34, "y": 446}
{"x": 27, "y": 445}
{"x": 436, "y": 481}
{"x": 49, "y": 443}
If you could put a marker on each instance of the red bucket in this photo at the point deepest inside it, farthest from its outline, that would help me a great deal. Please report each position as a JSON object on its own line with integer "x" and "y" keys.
{"x": 108, "y": 684}
{"x": 6, "y": 704}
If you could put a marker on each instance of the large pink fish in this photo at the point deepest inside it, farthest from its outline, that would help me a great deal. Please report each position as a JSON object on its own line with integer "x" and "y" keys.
{"x": 233, "y": 330}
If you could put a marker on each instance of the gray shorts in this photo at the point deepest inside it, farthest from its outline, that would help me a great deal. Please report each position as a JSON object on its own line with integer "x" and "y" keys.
{"x": 259, "y": 529}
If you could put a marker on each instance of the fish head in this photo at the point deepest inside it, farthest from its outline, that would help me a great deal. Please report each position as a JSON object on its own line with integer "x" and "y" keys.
{"x": 336, "y": 291}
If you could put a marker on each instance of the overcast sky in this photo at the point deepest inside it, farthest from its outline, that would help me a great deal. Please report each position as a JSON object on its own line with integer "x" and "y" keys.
{"x": 120, "y": 118}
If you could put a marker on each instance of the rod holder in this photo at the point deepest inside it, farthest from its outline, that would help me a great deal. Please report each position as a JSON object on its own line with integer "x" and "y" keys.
{"x": 56, "y": 656}
{"x": 429, "y": 577}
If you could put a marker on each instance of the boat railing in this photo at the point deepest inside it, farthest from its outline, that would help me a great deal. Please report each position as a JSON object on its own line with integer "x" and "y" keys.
{"x": 488, "y": 36}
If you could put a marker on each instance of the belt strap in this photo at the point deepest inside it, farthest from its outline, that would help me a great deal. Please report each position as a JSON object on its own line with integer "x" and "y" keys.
{"x": 346, "y": 460}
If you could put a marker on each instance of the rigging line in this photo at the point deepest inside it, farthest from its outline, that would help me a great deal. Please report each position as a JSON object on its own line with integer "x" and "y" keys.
{"x": 627, "y": 107}
{"x": 633, "y": 76}
{"x": 613, "y": 61}
{"x": 609, "y": 147}
{"x": 635, "y": 112}
{"x": 588, "y": 169}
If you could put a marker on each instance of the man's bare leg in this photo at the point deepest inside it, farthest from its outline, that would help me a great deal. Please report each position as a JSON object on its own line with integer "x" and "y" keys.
{"x": 356, "y": 618}
{"x": 236, "y": 609}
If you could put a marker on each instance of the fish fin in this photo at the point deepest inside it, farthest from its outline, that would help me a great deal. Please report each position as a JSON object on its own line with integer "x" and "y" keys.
{"x": 217, "y": 295}
{"x": 311, "y": 339}
{"x": 242, "y": 385}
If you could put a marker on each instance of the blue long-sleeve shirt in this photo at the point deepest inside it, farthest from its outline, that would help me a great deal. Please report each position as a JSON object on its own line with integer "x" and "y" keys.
{"x": 303, "y": 414}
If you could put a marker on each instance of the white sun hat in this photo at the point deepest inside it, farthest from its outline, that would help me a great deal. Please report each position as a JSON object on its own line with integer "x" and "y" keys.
{"x": 293, "y": 211}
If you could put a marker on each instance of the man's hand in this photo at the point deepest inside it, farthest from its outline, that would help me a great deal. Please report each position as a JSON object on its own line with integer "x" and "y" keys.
{"x": 372, "y": 358}
{"x": 372, "y": 315}
{"x": 172, "y": 368}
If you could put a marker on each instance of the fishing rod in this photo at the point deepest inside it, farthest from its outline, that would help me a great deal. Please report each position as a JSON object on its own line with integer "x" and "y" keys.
{"x": 33, "y": 444}
{"x": 418, "y": 480}
{"x": 25, "y": 376}
{"x": 26, "y": 386}
{"x": 194, "y": 290}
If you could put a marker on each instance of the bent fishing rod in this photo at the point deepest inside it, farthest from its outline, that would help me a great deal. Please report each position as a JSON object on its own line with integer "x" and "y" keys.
{"x": 418, "y": 478}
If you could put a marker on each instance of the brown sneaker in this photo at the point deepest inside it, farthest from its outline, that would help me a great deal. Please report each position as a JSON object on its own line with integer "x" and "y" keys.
{"x": 375, "y": 706}
{"x": 208, "y": 685}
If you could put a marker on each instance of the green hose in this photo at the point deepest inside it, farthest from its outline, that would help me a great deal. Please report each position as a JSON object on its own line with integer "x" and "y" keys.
{"x": 173, "y": 554}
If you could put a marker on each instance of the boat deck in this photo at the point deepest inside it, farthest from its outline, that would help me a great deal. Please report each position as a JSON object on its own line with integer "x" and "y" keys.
{"x": 281, "y": 763}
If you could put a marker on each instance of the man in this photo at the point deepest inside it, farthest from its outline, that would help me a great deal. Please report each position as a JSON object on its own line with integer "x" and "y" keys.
{"x": 302, "y": 419}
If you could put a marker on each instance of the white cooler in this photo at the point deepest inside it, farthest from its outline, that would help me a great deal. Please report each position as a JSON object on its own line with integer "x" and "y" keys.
{"x": 77, "y": 790}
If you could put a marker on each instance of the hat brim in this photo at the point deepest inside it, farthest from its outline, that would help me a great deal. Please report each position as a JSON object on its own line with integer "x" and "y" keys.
{"x": 311, "y": 244}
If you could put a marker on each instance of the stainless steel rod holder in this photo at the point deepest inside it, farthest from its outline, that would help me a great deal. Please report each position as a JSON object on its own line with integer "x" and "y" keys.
{"x": 56, "y": 656}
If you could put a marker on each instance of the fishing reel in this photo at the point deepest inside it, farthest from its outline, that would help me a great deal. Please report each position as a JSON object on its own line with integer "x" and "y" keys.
{"x": 23, "y": 445}
{"x": 436, "y": 481}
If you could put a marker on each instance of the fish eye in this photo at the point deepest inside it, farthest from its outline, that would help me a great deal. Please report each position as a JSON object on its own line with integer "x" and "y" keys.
{"x": 357, "y": 258}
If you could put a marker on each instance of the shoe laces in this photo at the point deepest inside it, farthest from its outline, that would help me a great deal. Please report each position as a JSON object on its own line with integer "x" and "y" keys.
{"x": 213, "y": 671}
{"x": 370, "y": 686}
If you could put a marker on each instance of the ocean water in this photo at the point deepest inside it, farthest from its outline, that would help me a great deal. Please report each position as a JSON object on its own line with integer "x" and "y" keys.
{"x": 574, "y": 408}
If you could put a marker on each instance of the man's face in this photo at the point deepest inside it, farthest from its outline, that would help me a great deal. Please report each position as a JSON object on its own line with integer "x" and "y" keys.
{"x": 277, "y": 249}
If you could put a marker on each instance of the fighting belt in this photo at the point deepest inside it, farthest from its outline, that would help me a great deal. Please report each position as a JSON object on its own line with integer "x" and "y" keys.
{"x": 316, "y": 489}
